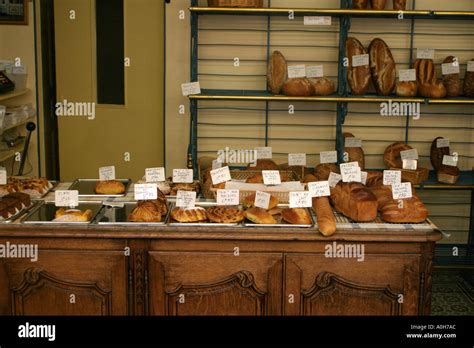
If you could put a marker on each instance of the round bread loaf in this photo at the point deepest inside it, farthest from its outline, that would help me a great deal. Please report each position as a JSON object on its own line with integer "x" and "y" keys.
{"x": 392, "y": 156}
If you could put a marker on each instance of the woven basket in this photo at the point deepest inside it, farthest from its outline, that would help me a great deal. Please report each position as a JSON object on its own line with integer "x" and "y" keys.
{"x": 235, "y": 3}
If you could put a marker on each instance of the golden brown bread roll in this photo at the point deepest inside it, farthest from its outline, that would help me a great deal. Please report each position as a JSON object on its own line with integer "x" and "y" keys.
{"x": 277, "y": 72}
{"x": 323, "y": 86}
{"x": 323, "y": 171}
{"x": 378, "y": 4}
{"x": 189, "y": 215}
{"x": 298, "y": 87}
{"x": 225, "y": 215}
{"x": 400, "y": 5}
{"x": 452, "y": 82}
{"x": 469, "y": 84}
{"x": 407, "y": 89}
{"x": 146, "y": 212}
{"x": 72, "y": 215}
{"x": 249, "y": 201}
{"x": 109, "y": 187}
{"x": 358, "y": 77}
{"x": 356, "y": 154}
{"x": 382, "y": 67}
{"x": 324, "y": 216}
{"x": 296, "y": 216}
{"x": 392, "y": 157}
{"x": 355, "y": 201}
{"x": 264, "y": 164}
{"x": 260, "y": 216}
{"x": 435, "y": 90}
{"x": 360, "y": 4}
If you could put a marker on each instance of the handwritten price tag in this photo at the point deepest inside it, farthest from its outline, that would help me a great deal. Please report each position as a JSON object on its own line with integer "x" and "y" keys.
{"x": 271, "y": 177}
{"x": 107, "y": 173}
{"x": 319, "y": 189}
{"x": 301, "y": 199}
{"x": 360, "y": 60}
{"x": 425, "y": 53}
{"x": 410, "y": 164}
{"x": 3, "y": 176}
{"x": 155, "y": 175}
{"x": 351, "y": 172}
{"x": 392, "y": 177}
{"x": 470, "y": 66}
{"x": 228, "y": 197}
{"x": 317, "y": 20}
{"x": 186, "y": 199}
{"x": 363, "y": 177}
{"x": 315, "y": 71}
{"x": 66, "y": 198}
{"x": 450, "y": 161}
{"x": 402, "y": 191}
{"x": 264, "y": 152}
{"x": 295, "y": 71}
{"x": 353, "y": 142}
{"x": 262, "y": 200}
{"x": 297, "y": 159}
{"x": 144, "y": 192}
{"x": 334, "y": 179}
{"x": 450, "y": 68}
{"x": 328, "y": 157}
{"x": 191, "y": 88}
{"x": 409, "y": 154}
{"x": 442, "y": 143}
{"x": 407, "y": 75}
{"x": 220, "y": 175}
{"x": 183, "y": 176}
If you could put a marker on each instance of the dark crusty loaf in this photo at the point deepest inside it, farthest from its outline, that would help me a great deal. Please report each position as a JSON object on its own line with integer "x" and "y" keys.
{"x": 452, "y": 82}
{"x": 382, "y": 67}
{"x": 358, "y": 77}
{"x": 277, "y": 72}
{"x": 469, "y": 84}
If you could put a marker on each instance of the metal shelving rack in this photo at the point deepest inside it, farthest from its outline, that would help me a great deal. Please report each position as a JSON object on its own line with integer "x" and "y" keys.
{"x": 341, "y": 98}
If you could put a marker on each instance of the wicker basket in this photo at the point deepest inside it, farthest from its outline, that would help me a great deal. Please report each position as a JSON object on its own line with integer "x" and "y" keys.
{"x": 235, "y": 3}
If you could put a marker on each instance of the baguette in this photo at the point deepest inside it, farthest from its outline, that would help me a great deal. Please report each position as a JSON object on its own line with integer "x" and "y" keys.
{"x": 324, "y": 216}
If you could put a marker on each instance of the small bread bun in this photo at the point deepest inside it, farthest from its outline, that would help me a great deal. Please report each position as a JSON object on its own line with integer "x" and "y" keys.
{"x": 109, "y": 187}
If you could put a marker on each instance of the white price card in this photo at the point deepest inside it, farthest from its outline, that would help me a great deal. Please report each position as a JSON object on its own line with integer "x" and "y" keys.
{"x": 66, "y": 198}
{"x": 191, "y": 88}
{"x": 407, "y": 75}
{"x": 183, "y": 176}
{"x": 145, "y": 192}
{"x": 315, "y": 71}
{"x": 392, "y": 177}
{"x": 317, "y": 20}
{"x": 295, "y": 71}
{"x": 363, "y": 177}
{"x": 353, "y": 142}
{"x": 425, "y": 53}
{"x": 410, "y": 164}
{"x": 107, "y": 173}
{"x": 262, "y": 200}
{"x": 450, "y": 68}
{"x": 186, "y": 199}
{"x": 297, "y": 159}
{"x": 19, "y": 70}
{"x": 301, "y": 199}
{"x": 402, "y": 191}
{"x": 334, "y": 179}
{"x": 3, "y": 112}
{"x": 220, "y": 175}
{"x": 351, "y": 172}
{"x": 155, "y": 174}
{"x": 271, "y": 177}
{"x": 319, "y": 189}
{"x": 470, "y": 66}
{"x": 328, "y": 157}
{"x": 216, "y": 164}
{"x": 264, "y": 152}
{"x": 360, "y": 60}
{"x": 443, "y": 142}
{"x": 228, "y": 197}
{"x": 3, "y": 176}
{"x": 409, "y": 154}
{"x": 451, "y": 161}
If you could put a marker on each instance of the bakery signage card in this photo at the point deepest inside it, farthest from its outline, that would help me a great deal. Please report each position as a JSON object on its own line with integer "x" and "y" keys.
{"x": 405, "y": 75}
{"x": 264, "y": 152}
{"x": 297, "y": 159}
{"x": 450, "y": 68}
{"x": 155, "y": 175}
{"x": 271, "y": 177}
{"x": 319, "y": 189}
{"x": 450, "y": 161}
{"x": 191, "y": 88}
{"x": 410, "y": 164}
{"x": 220, "y": 175}
{"x": 296, "y": 71}
{"x": 360, "y": 60}
{"x": 353, "y": 142}
{"x": 107, "y": 173}
{"x": 145, "y": 192}
{"x": 443, "y": 142}
{"x": 301, "y": 199}
{"x": 317, "y": 20}
{"x": 3, "y": 176}
{"x": 402, "y": 191}
{"x": 351, "y": 172}
{"x": 186, "y": 199}
{"x": 216, "y": 164}
{"x": 66, "y": 198}
{"x": 470, "y": 66}
{"x": 409, "y": 154}
{"x": 363, "y": 177}
{"x": 328, "y": 157}
{"x": 183, "y": 176}
{"x": 425, "y": 53}
{"x": 228, "y": 197}
{"x": 334, "y": 179}
{"x": 392, "y": 177}
{"x": 262, "y": 200}
{"x": 314, "y": 71}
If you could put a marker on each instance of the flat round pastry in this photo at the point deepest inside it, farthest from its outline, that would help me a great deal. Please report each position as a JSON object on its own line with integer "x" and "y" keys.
{"x": 260, "y": 216}
{"x": 296, "y": 216}
{"x": 249, "y": 201}
{"x": 189, "y": 215}
{"x": 160, "y": 203}
{"x": 109, "y": 187}
{"x": 225, "y": 215}
{"x": 72, "y": 215}
{"x": 392, "y": 156}
{"x": 146, "y": 212}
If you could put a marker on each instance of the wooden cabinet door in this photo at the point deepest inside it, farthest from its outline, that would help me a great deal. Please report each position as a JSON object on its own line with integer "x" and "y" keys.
{"x": 198, "y": 283}
{"x": 65, "y": 283}
{"x": 380, "y": 285}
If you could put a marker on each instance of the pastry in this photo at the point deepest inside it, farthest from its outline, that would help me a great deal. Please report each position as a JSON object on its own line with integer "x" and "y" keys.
{"x": 249, "y": 201}
{"x": 12, "y": 203}
{"x": 109, "y": 187}
{"x": 264, "y": 164}
{"x": 277, "y": 72}
{"x": 195, "y": 186}
{"x": 469, "y": 84}
{"x": 358, "y": 77}
{"x": 72, "y": 215}
{"x": 225, "y": 215}
{"x": 260, "y": 216}
{"x": 452, "y": 82}
{"x": 400, "y": 5}
{"x": 323, "y": 86}
{"x": 255, "y": 179}
{"x": 296, "y": 216}
{"x": 145, "y": 212}
{"x": 382, "y": 66}
{"x": 324, "y": 216}
{"x": 356, "y": 154}
{"x": 406, "y": 89}
{"x": 355, "y": 201}
{"x": 298, "y": 87}
{"x": 189, "y": 215}
{"x": 446, "y": 174}
{"x": 360, "y": 4}
{"x": 392, "y": 157}
{"x": 160, "y": 204}
{"x": 323, "y": 171}
{"x": 35, "y": 187}
{"x": 378, "y": 4}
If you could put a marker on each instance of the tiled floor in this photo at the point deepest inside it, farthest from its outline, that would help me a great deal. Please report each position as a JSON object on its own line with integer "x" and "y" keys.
{"x": 453, "y": 292}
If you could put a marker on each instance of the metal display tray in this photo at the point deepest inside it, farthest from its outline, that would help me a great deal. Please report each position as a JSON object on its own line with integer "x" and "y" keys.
{"x": 280, "y": 222}
{"x": 344, "y": 223}
{"x": 19, "y": 213}
{"x": 116, "y": 214}
{"x": 86, "y": 188}
{"x": 43, "y": 214}
{"x": 204, "y": 205}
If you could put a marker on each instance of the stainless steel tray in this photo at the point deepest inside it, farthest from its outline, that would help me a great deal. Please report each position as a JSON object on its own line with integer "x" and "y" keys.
{"x": 204, "y": 205}
{"x": 86, "y": 188}
{"x": 117, "y": 213}
{"x": 43, "y": 214}
{"x": 280, "y": 221}
{"x": 19, "y": 213}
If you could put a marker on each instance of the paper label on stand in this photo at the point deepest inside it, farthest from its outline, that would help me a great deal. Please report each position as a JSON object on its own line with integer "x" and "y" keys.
{"x": 442, "y": 143}
{"x": 17, "y": 70}
{"x": 360, "y": 60}
{"x": 409, "y": 154}
{"x": 315, "y": 71}
{"x": 216, "y": 164}
{"x": 186, "y": 199}
{"x": 107, "y": 173}
{"x": 425, "y": 53}
{"x": 402, "y": 191}
{"x": 319, "y": 189}
{"x": 191, "y": 88}
{"x": 66, "y": 198}
{"x": 3, "y": 176}
{"x": 220, "y": 175}
{"x": 450, "y": 161}
{"x": 450, "y": 68}
{"x": 262, "y": 200}
{"x": 392, "y": 177}
{"x": 296, "y": 71}
{"x": 351, "y": 172}
{"x": 145, "y": 192}
{"x": 407, "y": 75}
{"x": 363, "y": 178}
{"x": 334, "y": 179}
{"x": 264, "y": 152}
{"x": 183, "y": 176}
{"x": 410, "y": 164}
{"x": 271, "y": 177}
{"x": 470, "y": 66}
{"x": 228, "y": 197}
{"x": 302, "y": 199}
{"x": 353, "y": 142}
{"x": 297, "y": 159}
{"x": 155, "y": 174}
{"x": 328, "y": 157}
{"x": 317, "y": 20}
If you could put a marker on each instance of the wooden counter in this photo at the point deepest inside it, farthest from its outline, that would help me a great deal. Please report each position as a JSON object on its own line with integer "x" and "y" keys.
{"x": 98, "y": 270}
